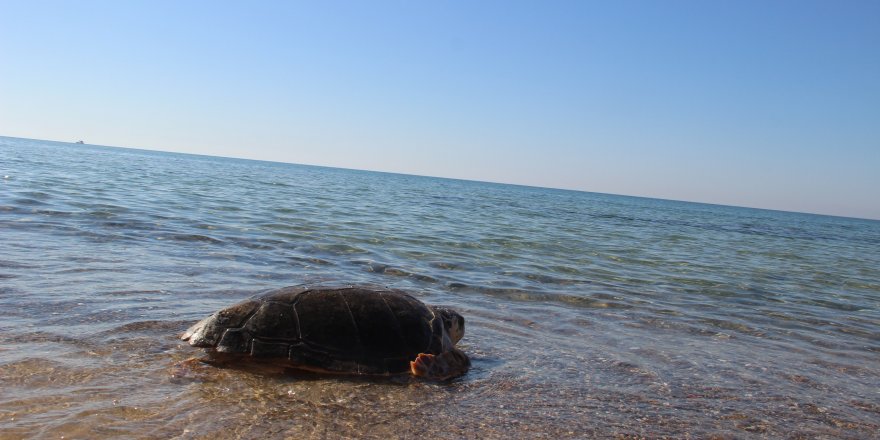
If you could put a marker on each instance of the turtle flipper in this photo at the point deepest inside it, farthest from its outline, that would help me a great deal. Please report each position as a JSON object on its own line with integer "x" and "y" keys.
{"x": 444, "y": 366}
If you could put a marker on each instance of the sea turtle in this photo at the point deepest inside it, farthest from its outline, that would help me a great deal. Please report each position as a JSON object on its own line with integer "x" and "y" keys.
{"x": 348, "y": 330}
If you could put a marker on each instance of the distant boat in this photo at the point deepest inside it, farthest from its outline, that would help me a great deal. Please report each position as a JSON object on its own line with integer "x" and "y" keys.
{"x": 80, "y": 142}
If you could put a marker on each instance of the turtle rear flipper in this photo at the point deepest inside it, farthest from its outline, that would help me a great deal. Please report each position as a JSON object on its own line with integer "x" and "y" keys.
{"x": 447, "y": 365}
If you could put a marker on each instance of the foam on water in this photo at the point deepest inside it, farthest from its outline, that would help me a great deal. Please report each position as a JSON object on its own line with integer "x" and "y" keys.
{"x": 588, "y": 314}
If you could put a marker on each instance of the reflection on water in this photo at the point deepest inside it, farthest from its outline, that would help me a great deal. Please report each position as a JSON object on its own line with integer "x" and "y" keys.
{"x": 588, "y": 315}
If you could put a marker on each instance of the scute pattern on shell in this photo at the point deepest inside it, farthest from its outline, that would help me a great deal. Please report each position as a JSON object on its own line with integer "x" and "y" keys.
{"x": 344, "y": 329}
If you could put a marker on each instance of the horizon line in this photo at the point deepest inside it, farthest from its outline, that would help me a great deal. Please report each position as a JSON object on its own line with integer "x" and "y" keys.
{"x": 151, "y": 150}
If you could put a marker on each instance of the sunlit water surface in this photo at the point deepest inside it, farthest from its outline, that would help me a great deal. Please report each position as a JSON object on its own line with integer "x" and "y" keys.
{"x": 588, "y": 315}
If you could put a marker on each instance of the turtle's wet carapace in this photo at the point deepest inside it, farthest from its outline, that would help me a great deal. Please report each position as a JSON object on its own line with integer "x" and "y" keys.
{"x": 347, "y": 330}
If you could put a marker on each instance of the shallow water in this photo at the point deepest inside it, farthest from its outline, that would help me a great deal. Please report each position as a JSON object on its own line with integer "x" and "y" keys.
{"x": 588, "y": 315}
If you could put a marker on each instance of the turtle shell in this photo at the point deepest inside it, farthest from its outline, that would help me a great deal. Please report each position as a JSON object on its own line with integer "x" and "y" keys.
{"x": 360, "y": 330}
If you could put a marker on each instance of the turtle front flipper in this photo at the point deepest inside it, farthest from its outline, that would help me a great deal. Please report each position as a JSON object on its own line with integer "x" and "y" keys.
{"x": 444, "y": 366}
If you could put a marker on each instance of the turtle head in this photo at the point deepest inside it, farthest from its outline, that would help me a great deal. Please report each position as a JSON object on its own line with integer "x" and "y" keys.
{"x": 453, "y": 323}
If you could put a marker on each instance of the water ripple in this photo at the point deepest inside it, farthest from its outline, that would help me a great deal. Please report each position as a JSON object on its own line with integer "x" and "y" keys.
{"x": 587, "y": 313}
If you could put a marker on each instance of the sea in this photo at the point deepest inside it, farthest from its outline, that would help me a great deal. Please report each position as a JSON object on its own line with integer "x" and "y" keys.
{"x": 587, "y": 315}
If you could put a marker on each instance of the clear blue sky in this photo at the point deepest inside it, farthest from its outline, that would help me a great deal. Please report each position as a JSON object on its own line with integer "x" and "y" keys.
{"x": 772, "y": 104}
